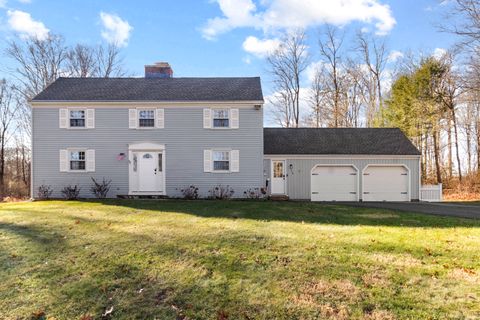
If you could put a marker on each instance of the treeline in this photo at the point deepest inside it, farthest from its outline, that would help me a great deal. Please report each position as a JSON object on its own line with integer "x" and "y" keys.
{"x": 37, "y": 63}
{"x": 358, "y": 82}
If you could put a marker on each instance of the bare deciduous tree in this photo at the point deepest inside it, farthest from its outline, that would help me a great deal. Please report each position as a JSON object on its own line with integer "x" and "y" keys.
{"x": 287, "y": 64}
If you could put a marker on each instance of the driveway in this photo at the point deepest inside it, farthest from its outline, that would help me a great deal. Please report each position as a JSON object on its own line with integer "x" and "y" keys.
{"x": 438, "y": 208}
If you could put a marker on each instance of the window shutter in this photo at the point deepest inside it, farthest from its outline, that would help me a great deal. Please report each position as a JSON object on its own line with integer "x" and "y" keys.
{"x": 132, "y": 118}
{"x": 234, "y": 161}
{"x": 90, "y": 118}
{"x": 63, "y": 118}
{"x": 207, "y": 118}
{"x": 90, "y": 154}
{"x": 63, "y": 160}
{"x": 207, "y": 160}
{"x": 160, "y": 118}
{"x": 234, "y": 118}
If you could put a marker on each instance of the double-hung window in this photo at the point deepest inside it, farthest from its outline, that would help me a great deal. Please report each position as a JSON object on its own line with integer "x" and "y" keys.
{"x": 221, "y": 118}
{"x": 221, "y": 160}
{"x": 77, "y": 118}
{"x": 146, "y": 118}
{"x": 77, "y": 160}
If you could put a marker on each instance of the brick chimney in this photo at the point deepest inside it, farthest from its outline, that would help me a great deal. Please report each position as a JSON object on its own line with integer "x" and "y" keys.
{"x": 159, "y": 70}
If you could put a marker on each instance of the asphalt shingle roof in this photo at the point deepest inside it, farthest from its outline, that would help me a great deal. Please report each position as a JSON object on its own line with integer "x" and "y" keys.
{"x": 365, "y": 141}
{"x": 142, "y": 89}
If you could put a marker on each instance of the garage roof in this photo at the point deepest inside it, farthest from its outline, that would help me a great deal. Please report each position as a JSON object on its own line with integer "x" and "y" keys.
{"x": 364, "y": 141}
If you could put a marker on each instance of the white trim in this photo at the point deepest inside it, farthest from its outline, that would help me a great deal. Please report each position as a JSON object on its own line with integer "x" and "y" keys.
{"x": 85, "y": 110}
{"x": 138, "y": 127}
{"x": 337, "y": 165}
{"x": 148, "y": 147}
{"x": 409, "y": 192}
{"x": 285, "y": 180}
{"x": 229, "y": 150}
{"x": 340, "y": 157}
{"x": 76, "y": 149}
{"x": 153, "y": 104}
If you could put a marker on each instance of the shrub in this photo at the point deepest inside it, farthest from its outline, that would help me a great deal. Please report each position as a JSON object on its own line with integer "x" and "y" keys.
{"x": 44, "y": 192}
{"x": 255, "y": 193}
{"x": 100, "y": 190}
{"x": 190, "y": 193}
{"x": 71, "y": 192}
{"x": 221, "y": 192}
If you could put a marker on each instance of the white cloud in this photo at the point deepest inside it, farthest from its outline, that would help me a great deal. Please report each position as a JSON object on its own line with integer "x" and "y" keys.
{"x": 312, "y": 70}
{"x": 23, "y": 23}
{"x": 288, "y": 14}
{"x": 3, "y": 3}
{"x": 115, "y": 29}
{"x": 394, "y": 56}
{"x": 247, "y": 60}
{"x": 25, "y": 1}
{"x": 260, "y": 48}
{"x": 438, "y": 53}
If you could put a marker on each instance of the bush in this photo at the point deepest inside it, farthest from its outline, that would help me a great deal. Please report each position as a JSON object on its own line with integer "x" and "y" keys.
{"x": 190, "y": 193}
{"x": 255, "y": 193}
{"x": 44, "y": 192}
{"x": 221, "y": 192}
{"x": 100, "y": 190}
{"x": 71, "y": 192}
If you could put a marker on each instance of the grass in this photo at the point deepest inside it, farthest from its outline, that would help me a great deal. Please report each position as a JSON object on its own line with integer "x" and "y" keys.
{"x": 234, "y": 260}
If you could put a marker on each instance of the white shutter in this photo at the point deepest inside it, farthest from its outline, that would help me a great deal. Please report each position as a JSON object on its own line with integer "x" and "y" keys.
{"x": 90, "y": 154}
{"x": 207, "y": 118}
{"x": 207, "y": 160}
{"x": 234, "y": 161}
{"x": 63, "y": 160}
{"x": 132, "y": 118}
{"x": 90, "y": 118}
{"x": 160, "y": 118}
{"x": 234, "y": 118}
{"x": 63, "y": 118}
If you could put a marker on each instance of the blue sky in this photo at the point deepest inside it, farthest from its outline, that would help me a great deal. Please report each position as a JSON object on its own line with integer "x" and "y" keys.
{"x": 207, "y": 37}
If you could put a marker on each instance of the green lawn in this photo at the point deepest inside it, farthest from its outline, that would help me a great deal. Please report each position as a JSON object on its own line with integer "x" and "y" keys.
{"x": 234, "y": 260}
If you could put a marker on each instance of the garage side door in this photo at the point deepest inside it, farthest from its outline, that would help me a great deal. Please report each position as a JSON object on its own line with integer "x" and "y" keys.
{"x": 334, "y": 183}
{"x": 385, "y": 183}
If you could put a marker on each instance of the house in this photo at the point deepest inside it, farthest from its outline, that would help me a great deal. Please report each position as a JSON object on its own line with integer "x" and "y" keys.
{"x": 158, "y": 134}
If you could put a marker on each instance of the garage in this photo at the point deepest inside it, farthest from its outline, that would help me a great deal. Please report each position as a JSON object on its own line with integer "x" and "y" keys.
{"x": 386, "y": 183}
{"x": 334, "y": 183}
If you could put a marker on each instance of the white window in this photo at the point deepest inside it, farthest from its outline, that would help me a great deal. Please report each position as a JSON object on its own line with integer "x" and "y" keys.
{"x": 221, "y": 160}
{"x": 77, "y": 161}
{"x": 77, "y": 118}
{"x": 146, "y": 118}
{"x": 221, "y": 118}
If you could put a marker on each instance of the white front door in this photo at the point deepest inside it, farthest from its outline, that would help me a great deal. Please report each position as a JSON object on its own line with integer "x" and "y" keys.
{"x": 278, "y": 177}
{"x": 150, "y": 171}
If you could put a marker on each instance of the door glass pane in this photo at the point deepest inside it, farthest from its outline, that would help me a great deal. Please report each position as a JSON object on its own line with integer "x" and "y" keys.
{"x": 160, "y": 162}
{"x": 278, "y": 169}
{"x": 147, "y": 156}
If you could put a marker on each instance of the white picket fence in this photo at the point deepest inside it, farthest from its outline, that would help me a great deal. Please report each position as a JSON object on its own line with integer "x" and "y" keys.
{"x": 431, "y": 193}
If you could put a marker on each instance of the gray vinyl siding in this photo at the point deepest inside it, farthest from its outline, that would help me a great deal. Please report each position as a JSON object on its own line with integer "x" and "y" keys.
{"x": 184, "y": 138}
{"x": 298, "y": 182}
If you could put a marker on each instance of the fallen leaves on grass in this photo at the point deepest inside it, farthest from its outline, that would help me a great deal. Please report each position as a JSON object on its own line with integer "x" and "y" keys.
{"x": 375, "y": 279}
{"x": 38, "y": 315}
{"x": 380, "y": 315}
{"x": 465, "y": 274}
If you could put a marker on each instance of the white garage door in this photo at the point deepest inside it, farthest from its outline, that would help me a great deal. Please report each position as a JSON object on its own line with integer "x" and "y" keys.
{"x": 334, "y": 183}
{"x": 385, "y": 183}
